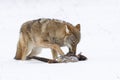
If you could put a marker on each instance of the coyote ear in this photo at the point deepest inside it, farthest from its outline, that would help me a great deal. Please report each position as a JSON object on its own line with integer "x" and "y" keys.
{"x": 68, "y": 29}
{"x": 78, "y": 26}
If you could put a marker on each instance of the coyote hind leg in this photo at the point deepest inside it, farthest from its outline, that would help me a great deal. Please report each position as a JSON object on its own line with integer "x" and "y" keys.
{"x": 22, "y": 48}
{"x": 54, "y": 54}
{"x": 24, "y": 53}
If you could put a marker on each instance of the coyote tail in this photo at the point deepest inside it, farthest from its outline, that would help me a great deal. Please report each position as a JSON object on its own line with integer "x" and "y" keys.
{"x": 18, "y": 55}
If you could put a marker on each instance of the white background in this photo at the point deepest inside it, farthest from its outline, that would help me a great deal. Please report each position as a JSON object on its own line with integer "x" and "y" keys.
{"x": 100, "y": 29}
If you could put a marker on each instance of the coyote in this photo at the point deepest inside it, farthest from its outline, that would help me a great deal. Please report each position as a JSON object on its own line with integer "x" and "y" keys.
{"x": 47, "y": 33}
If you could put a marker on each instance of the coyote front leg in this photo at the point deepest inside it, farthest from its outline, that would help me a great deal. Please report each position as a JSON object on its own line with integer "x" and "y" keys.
{"x": 54, "y": 54}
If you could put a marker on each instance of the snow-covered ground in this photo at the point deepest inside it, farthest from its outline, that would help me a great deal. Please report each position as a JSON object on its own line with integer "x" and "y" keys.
{"x": 100, "y": 28}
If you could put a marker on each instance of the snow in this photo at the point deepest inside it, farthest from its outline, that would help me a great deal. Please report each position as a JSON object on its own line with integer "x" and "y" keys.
{"x": 100, "y": 25}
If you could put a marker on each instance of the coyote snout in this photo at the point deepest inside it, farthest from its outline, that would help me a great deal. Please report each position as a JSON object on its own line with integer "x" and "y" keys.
{"x": 47, "y": 33}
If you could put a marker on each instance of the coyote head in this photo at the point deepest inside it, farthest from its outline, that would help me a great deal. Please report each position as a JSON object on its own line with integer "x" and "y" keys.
{"x": 73, "y": 37}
